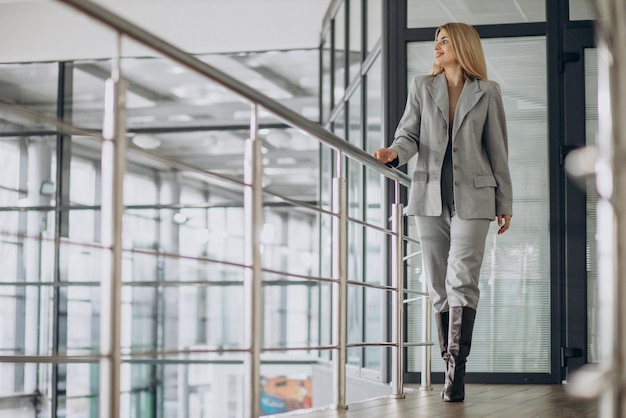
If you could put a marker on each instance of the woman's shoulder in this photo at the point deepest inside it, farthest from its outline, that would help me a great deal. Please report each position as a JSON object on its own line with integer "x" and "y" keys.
{"x": 422, "y": 80}
{"x": 489, "y": 86}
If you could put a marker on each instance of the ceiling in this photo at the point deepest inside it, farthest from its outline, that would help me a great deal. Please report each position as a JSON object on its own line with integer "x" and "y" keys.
{"x": 50, "y": 30}
{"x": 163, "y": 96}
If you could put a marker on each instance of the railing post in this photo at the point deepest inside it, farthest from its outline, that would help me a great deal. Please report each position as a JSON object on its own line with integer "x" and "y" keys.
{"x": 427, "y": 312}
{"x": 113, "y": 167}
{"x": 340, "y": 293}
{"x": 253, "y": 208}
{"x": 397, "y": 273}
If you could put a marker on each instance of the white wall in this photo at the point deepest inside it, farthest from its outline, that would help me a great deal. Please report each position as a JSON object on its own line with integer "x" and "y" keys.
{"x": 40, "y": 30}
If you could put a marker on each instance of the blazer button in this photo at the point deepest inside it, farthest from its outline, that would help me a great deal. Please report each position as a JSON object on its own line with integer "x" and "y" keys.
{"x": 456, "y": 166}
{"x": 457, "y": 183}
{"x": 454, "y": 149}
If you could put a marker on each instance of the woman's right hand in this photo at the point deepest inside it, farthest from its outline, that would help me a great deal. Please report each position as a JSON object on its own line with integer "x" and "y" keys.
{"x": 385, "y": 155}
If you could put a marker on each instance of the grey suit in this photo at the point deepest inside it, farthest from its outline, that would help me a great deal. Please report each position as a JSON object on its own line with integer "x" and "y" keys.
{"x": 453, "y": 226}
{"x": 479, "y": 148}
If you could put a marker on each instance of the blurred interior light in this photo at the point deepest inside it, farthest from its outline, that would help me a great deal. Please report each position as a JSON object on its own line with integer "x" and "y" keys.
{"x": 146, "y": 141}
{"x": 180, "y": 218}
{"x": 582, "y": 162}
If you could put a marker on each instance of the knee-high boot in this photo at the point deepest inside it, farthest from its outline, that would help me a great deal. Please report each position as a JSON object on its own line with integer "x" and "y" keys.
{"x": 459, "y": 343}
{"x": 442, "y": 319}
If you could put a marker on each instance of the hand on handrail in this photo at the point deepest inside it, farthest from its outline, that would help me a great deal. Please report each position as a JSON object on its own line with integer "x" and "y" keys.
{"x": 385, "y": 155}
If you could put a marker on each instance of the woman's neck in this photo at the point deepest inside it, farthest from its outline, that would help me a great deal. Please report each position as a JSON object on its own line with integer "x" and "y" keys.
{"x": 454, "y": 76}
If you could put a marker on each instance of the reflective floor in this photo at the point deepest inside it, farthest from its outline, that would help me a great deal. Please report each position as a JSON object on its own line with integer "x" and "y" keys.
{"x": 511, "y": 401}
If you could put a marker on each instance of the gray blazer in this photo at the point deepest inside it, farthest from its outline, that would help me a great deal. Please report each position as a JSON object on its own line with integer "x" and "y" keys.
{"x": 482, "y": 181}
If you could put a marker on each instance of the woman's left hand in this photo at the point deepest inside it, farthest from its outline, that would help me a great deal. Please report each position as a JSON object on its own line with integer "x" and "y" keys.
{"x": 504, "y": 221}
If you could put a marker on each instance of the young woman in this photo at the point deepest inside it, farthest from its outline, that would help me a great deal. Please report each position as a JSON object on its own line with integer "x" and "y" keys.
{"x": 454, "y": 121}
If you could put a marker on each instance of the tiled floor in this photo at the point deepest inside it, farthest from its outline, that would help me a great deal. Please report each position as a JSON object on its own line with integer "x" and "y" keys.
{"x": 509, "y": 401}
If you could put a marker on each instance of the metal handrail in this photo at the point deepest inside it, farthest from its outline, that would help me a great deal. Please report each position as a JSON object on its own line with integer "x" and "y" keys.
{"x": 114, "y": 163}
{"x": 290, "y": 117}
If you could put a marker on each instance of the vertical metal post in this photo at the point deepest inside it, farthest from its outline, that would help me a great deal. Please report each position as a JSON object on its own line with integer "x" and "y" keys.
{"x": 253, "y": 209}
{"x": 340, "y": 295}
{"x": 397, "y": 273}
{"x": 113, "y": 168}
{"x": 427, "y": 313}
{"x": 611, "y": 183}
{"x": 61, "y": 230}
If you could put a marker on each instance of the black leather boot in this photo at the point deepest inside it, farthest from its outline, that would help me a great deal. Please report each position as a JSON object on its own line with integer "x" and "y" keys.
{"x": 459, "y": 343}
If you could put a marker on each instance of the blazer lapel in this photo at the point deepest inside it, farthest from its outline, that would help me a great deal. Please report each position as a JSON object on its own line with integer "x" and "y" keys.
{"x": 438, "y": 91}
{"x": 470, "y": 95}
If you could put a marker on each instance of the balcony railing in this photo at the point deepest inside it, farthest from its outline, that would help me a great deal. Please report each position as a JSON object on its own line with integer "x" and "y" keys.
{"x": 114, "y": 154}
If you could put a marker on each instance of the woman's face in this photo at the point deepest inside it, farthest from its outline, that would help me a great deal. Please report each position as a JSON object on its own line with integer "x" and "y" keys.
{"x": 444, "y": 52}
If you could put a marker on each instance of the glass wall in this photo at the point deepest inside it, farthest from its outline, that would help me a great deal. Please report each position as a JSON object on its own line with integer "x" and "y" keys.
{"x": 592, "y": 197}
{"x": 580, "y": 10}
{"x": 183, "y": 239}
{"x": 356, "y": 115}
{"x": 515, "y": 277}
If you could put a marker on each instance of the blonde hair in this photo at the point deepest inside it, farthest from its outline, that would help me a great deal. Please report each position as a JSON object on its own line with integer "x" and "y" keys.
{"x": 468, "y": 49}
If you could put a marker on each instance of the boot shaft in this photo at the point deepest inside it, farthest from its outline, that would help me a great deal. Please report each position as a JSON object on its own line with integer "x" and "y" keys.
{"x": 461, "y": 328}
{"x": 442, "y": 319}
{"x": 460, "y": 332}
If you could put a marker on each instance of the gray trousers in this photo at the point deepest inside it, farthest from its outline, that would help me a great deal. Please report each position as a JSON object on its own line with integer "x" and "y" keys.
{"x": 452, "y": 254}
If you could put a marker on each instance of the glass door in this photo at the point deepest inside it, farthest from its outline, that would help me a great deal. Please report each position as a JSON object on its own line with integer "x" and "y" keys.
{"x": 579, "y": 344}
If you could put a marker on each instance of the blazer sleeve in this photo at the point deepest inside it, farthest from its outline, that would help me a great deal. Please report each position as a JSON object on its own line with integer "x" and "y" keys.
{"x": 497, "y": 146}
{"x": 406, "y": 137}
